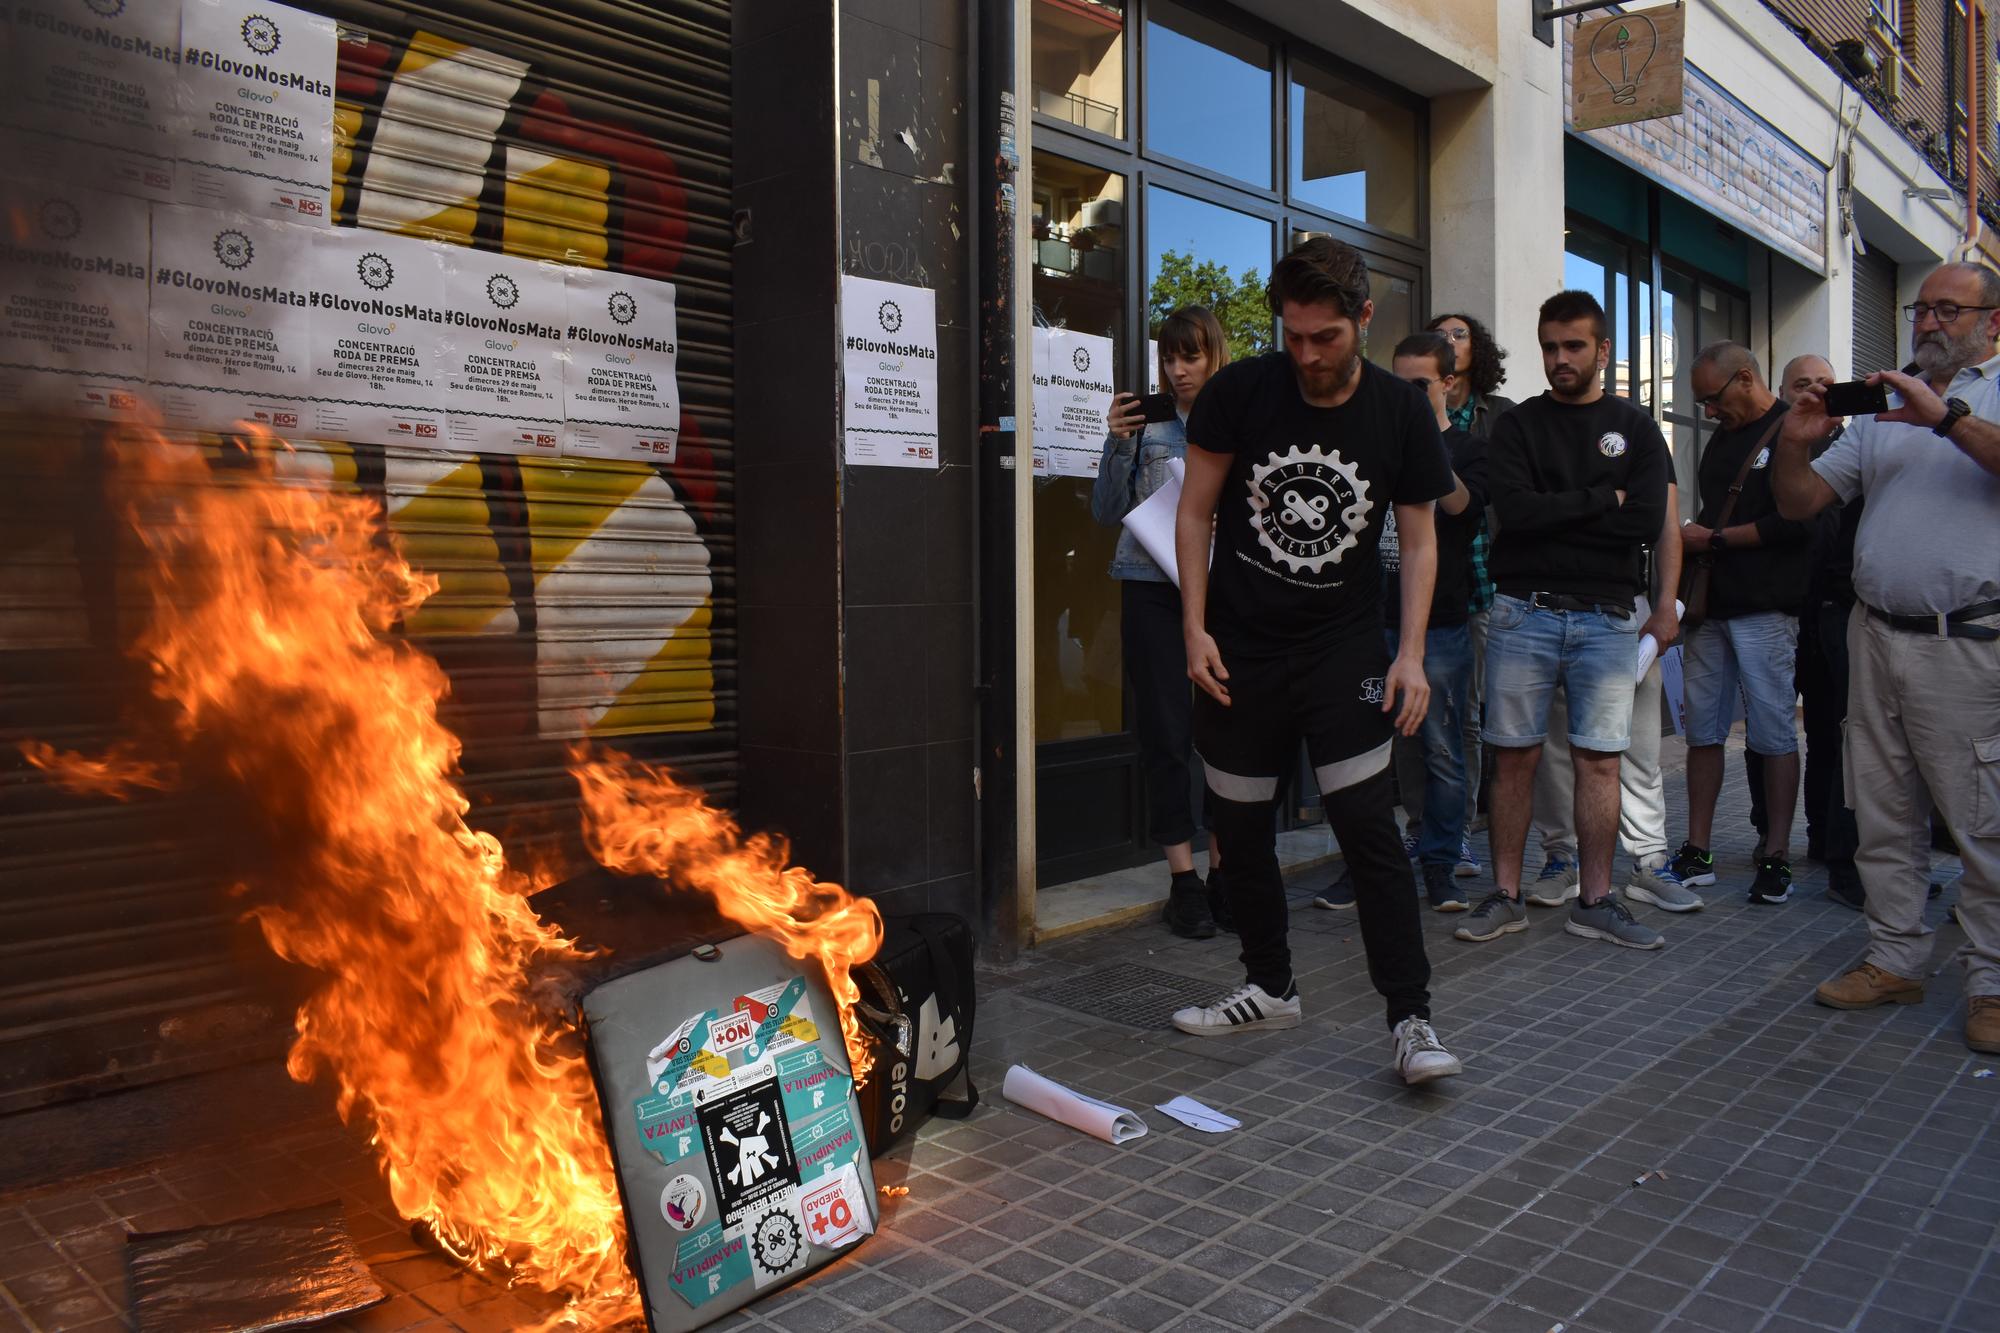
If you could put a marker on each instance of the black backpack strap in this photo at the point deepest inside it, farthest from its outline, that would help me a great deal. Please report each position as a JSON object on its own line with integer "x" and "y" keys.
{"x": 942, "y": 967}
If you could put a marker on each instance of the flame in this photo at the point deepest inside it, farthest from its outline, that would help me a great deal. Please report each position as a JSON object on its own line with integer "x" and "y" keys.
{"x": 639, "y": 820}
{"x": 116, "y": 773}
{"x": 436, "y": 1017}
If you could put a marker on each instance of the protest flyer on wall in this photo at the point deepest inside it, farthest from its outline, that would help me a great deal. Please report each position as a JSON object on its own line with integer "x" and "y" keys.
{"x": 73, "y": 294}
{"x": 1152, "y": 365}
{"x": 890, "y": 403}
{"x": 230, "y": 320}
{"x": 619, "y": 347}
{"x": 90, "y": 93}
{"x": 503, "y": 366}
{"x": 378, "y": 337}
{"x": 254, "y": 112}
{"x": 1072, "y": 399}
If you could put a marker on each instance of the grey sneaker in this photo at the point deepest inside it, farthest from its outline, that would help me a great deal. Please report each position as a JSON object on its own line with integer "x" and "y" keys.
{"x": 1556, "y": 885}
{"x": 1420, "y": 1056}
{"x": 1609, "y": 919}
{"x": 1661, "y": 887}
{"x": 1496, "y": 915}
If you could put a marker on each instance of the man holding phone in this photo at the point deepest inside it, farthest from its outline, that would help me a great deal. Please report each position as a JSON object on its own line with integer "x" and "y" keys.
{"x": 1294, "y": 460}
{"x": 1924, "y": 637}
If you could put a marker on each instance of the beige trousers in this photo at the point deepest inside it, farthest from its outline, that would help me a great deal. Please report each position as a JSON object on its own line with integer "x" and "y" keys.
{"x": 1923, "y": 725}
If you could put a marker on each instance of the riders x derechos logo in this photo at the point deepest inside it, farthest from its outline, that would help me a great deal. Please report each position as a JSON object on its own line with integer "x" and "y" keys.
{"x": 502, "y": 291}
{"x": 890, "y": 316}
{"x": 1307, "y": 505}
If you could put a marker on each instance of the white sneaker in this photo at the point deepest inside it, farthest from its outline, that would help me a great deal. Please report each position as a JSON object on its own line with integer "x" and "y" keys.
{"x": 1248, "y": 1008}
{"x": 1420, "y": 1056}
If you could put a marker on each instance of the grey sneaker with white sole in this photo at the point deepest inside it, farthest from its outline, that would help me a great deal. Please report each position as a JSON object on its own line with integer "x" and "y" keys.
{"x": 1609, "y": 919}
{"x": 1662, "y": 888}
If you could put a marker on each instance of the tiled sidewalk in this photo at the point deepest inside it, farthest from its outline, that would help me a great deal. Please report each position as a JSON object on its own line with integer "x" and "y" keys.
{"x": 1809, "y": 1169}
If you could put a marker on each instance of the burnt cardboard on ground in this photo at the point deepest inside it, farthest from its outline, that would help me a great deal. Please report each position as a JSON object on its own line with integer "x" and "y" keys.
{"x": 283, "y": 1270}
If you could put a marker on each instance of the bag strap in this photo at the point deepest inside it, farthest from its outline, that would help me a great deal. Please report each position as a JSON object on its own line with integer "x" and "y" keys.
{"x": 952, "y": 1108}
{"x": 1743, "y": 473}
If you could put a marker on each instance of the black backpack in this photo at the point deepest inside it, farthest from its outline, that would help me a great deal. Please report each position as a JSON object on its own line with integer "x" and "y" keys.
{"x": 916, "y": 1013}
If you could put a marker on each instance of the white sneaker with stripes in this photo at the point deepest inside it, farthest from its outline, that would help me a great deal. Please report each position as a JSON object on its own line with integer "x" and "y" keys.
{"x": 1248, "y": 1008}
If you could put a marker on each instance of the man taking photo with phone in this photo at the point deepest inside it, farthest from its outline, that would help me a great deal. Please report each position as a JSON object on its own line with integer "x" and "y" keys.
{"x": 1294, "y": 461}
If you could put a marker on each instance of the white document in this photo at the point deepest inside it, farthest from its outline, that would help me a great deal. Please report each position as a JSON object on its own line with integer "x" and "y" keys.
{"x": 90, "y": 93}
{"x": 1196, "y": 1116}
{"x": 1114, "y": 1124}
{"x": 1670, "y": 683}
{"x": 889, "y": 403}
{"x": 254, "y": 112}
{"x": 74, "y": 284}
{"x": 1649, "y": 647}
{"x": 503, "y": 367}
{"x": 378, "y": 348}
{"x": 230, "y": 321}
{"x": 619, "y": 350}
{"x": 1152, "y": 521}
{"x": 1072, "y": 397}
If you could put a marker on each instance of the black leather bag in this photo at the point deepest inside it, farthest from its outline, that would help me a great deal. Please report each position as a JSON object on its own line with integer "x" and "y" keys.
{"x": 916, "y": 1013}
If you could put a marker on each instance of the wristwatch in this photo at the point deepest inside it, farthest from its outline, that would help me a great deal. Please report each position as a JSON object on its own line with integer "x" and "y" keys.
{"x": 1954, "y": 408}
{"x": 1717, "y": 542}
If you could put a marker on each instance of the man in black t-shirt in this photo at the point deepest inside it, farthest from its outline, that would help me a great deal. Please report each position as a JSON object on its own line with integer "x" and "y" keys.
{"x": 1579, "y": 481}
{"x": 1295, "y": 459}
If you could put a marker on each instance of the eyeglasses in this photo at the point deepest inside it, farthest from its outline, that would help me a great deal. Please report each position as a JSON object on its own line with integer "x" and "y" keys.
{"x": 1947, "y": 312}
{"x": 1456, "y": 335}
{"x": 1712, "y": 399}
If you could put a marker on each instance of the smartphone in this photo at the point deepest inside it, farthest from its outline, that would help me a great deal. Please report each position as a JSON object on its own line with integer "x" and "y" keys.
{"x": 1856, "y": 398}
{"x": 1159, "y": 407}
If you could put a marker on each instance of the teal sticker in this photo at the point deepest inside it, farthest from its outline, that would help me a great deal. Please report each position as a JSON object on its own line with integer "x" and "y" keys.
{"x": 708, "y": 1263}
{"x": 667, "y": 1126}
{"x": 827, "y": 1144}
{"x": 810, "y": 1084}
{"x": 767, "y": 1026}
{"x": 685, "y": 1051}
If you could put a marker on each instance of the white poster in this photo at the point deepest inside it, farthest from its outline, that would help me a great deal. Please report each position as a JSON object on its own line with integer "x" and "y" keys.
{"x": 73, "y": 293}
{"x": 1072, "y": 396}
{"x": 889, "y": 410}
{"x": 89, "y": 92}
{"x": 1152, "y": 365}
{"x": 230, "y": 320}
{"x": 254, "y": 122}
{"x": 618, "y": 370}
{"x": 377, "y": 337}
{"x": 503, "y": 353}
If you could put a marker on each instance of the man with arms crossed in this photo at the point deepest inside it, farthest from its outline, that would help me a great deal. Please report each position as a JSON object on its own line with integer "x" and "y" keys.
{"x": 1924, "y": 639}
{"x": 1579, "y": 481}
{"x": 1295, "y": 459}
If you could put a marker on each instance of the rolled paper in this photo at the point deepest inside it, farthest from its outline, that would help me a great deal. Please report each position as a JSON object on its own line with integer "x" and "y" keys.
{"x": 1114, "y": 1124}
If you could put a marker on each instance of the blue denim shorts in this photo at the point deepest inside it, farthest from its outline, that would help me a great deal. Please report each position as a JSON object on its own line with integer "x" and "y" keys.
{"x": 1529, "y": 651}
{"x": 1755, "y": 656}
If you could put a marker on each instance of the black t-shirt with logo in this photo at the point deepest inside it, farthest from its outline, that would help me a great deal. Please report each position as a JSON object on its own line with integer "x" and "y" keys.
{"x": 1301, "y": 513}
{"x": 1771, "y": 576}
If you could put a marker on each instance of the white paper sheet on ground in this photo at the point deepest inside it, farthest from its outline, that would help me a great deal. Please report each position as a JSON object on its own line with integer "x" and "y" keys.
{"x": 1196, "y": 1116}
{"x": 1152, "y": 521}
{"x": 1114, "y": 1124}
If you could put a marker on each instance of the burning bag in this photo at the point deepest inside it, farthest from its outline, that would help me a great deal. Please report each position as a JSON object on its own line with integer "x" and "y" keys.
{"x": 916, "y": 1010}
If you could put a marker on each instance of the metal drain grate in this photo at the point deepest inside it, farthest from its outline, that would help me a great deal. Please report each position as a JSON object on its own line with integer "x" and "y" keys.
{"x": 1141, "y": 997}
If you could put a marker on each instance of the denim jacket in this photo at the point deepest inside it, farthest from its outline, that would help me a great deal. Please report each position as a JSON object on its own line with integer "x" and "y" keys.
{"x": 1130, "y": 470}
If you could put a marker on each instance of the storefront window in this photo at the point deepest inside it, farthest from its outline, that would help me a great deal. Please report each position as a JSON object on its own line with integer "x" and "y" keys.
{"x": 1354, "y": 152}
{"x": 1208, "y": 94}
{"x": 1200, "y": 253}
{"x": 1395, "y": 299}
{"x": 1078, "y": 63}
{"x": 1079, "y": 287}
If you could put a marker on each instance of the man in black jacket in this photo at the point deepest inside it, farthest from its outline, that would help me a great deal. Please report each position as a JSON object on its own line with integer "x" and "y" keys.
{"x": 1748, "y": 644}
{"x": 1579, "y": 482}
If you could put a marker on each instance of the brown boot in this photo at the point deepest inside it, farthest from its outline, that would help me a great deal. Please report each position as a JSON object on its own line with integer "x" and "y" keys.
{"x": 1867, "y": 986}
{"x": 1982, "y": 1023}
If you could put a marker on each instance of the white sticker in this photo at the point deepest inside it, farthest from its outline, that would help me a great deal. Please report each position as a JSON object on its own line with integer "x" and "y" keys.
{"x": 378, "y": 338}
{"x": 683, "y": 1202}
{"x": 619, "y": 353}
{"x": 254, "y": 117}
{"x": 777, "y": 1238}
{"x": 835, "y": 1209}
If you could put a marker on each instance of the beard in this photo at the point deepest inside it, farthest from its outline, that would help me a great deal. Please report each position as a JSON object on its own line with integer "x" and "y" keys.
{"x": 1937, "y": 355}
{"x": 1321, "y": 383}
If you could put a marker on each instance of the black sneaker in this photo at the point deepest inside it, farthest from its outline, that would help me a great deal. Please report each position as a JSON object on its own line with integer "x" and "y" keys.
{"x": 1339, "y": 895}
{"x": 1773, "y": 884}
{"x": 1186, "y": 912}
{"x": 1845, "y": 888}
{"x": 1219, "y": 908}
{"x": 1441, "y": 887}
{"x": 1694, "y": 865}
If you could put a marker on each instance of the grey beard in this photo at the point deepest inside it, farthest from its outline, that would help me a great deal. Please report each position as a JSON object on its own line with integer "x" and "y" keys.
{"x": 1944, "y": 358}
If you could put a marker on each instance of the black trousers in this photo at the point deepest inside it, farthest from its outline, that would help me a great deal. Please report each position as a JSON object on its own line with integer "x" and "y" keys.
{"x": 1826, "y": 633}
{"x": 1156, "y": 664}
{"x": 1331, "y": 699}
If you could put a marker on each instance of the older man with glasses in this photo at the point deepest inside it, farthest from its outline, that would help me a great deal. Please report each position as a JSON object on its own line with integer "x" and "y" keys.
{"x": 1924, "y": 639}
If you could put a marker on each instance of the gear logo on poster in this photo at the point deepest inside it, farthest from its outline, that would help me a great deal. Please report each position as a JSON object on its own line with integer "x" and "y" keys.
{"x": 59, "y": 220}
{"x": 622, "y": 307}
{"x": 1080, "y": 358}
{"x": 108, "y": 9}
{"x": 261, "y": 35}
{"x": 233, "y": 249}
{"x": 502, "y": 291}
{"x": 890, "y": 316}
{"x": 1307, "y": 507}
{"x": 375, "y": 270}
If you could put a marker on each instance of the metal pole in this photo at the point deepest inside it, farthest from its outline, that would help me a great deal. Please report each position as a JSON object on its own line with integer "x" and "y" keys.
{"x": 1972, "y": 127}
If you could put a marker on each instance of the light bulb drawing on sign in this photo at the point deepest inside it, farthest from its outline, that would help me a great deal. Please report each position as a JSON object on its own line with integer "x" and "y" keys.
{"x": 1631, "y": 45}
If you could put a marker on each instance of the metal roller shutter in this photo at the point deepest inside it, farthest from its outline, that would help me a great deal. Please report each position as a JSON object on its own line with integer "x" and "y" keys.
{"x": 1877, "y": 330}
{"x": 580, "y": 598}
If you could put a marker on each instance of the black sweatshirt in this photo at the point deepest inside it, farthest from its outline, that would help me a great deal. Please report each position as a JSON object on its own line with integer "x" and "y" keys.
{"x": 1770, "y": 576}
{"x": 1556, "y": 469}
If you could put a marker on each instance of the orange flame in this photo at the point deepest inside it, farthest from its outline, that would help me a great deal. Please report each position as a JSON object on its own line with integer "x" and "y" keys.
{"x": 638, "y": 820}
{"x": 268, "y": 606}
{"x": 116, "y": 773}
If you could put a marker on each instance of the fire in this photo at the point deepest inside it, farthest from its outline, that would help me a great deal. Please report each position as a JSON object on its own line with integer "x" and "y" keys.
{"x": 435, "y": 1018}
{"x": 638, "y": 820}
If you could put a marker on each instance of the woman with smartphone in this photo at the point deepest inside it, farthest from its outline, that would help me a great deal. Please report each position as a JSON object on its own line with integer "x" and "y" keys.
{"x": 1146, "y": 433}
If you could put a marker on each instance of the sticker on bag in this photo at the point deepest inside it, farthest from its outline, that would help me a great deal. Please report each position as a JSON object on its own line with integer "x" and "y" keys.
{"x": 708, "y": 1263}
{"x": 835, "y": 1209}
